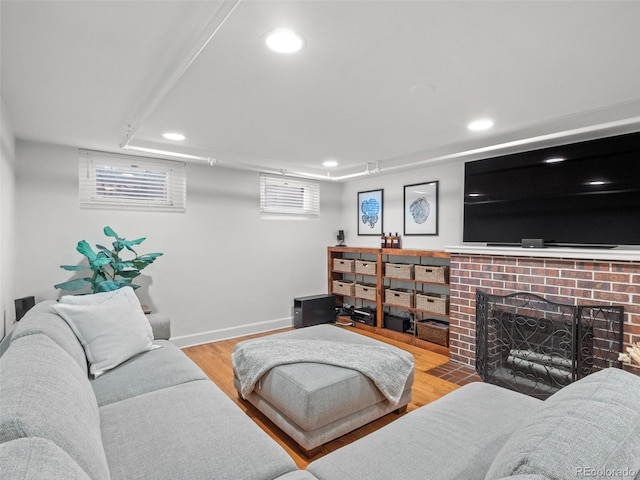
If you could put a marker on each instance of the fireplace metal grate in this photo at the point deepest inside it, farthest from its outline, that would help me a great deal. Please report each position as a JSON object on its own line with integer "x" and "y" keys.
{"x": 535, "y": 346}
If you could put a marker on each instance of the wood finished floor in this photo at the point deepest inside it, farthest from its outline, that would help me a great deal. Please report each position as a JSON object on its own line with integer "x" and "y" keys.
{"x": 215, "y": 360}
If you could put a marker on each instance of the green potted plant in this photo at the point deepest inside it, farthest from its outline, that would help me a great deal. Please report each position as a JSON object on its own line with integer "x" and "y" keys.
{"x": 110, "y": 271}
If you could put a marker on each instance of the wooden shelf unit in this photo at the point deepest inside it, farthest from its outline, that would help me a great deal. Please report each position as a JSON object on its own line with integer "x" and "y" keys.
{"x": 382, "y": 256}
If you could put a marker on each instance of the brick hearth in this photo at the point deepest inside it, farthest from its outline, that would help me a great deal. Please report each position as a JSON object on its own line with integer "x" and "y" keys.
{"x": 562, "y": 280}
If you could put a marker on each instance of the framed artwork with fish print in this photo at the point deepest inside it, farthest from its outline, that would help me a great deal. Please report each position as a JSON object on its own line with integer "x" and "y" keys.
{"x": 421, "y": 209}
{"x": 370, "y": 210}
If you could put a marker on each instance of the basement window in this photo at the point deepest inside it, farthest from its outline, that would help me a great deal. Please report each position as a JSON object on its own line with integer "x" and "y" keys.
{"x": 282, "y": 197}
{"x": 122, "y": 182}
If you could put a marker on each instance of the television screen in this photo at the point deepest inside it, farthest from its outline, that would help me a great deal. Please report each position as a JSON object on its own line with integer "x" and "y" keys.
{"x": 585, "y": 193}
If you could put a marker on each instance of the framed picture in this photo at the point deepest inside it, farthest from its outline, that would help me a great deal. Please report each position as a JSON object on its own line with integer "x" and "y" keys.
{"x": 370, "y": 210}
{"x": 421, "y": 209}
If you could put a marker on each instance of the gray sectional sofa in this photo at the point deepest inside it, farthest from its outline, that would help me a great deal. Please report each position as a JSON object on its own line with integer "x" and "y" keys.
{"x": 157, "y": 416}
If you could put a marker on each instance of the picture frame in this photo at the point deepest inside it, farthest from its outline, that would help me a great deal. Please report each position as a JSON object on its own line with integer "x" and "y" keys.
{"x": 421, "y": 208}
{"x": 370, "y": 212}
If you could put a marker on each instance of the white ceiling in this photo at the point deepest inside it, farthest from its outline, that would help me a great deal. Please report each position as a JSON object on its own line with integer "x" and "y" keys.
{"x": 387, "y": 84}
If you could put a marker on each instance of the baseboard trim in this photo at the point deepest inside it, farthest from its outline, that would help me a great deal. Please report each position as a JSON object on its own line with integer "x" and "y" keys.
{"x": 231, "y": 332}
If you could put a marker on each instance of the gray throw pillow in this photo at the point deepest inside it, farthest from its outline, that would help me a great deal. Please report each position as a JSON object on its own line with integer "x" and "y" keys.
{"x": 590, "y": 428}
{"x": 111, "y": 327}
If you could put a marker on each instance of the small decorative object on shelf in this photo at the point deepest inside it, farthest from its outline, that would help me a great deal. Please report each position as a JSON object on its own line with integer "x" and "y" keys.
{"x": 395, "y": 241}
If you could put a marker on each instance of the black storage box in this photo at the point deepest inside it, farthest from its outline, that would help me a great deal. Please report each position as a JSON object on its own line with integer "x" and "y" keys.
{"x": 399, "y": 324}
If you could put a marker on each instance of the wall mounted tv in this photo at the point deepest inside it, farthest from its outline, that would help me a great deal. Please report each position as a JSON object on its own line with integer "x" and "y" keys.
{"x": 585, "y": 193}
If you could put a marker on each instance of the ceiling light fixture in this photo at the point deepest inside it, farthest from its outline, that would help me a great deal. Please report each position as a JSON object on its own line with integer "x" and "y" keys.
{"x": 329, "y": 163}
{"x": 597, "y": 182}
{"x": 479, "y": 125}
{"x": 554, "y": 160}
{"x": 174, "y": 136}
{"x": 284, "y": 41}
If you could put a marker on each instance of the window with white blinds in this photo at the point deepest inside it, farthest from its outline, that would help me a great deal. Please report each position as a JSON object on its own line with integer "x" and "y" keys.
{"x": 113, "y": 181}
{"x": 284, "y": 196}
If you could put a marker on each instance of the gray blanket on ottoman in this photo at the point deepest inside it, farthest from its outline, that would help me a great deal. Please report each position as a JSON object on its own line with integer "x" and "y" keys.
{"x": 387, "y": 369}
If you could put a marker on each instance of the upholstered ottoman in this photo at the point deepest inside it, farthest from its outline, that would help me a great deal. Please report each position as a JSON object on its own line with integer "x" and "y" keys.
{"x": 315, "y": 403}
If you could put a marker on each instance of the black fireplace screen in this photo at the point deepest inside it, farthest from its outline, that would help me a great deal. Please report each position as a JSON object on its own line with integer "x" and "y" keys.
{"x": 536, "y": 347}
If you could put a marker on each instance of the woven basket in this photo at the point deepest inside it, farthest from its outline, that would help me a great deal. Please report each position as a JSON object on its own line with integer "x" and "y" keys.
{"x": 344, "y": 288}
{"x": 402, "y": 271}
{"x": 398, "y": 298}
{"x": 430, "y": 273}
{"x": 343, "y": 265}
{"x": 433, "y": 302}
{"x": 433, "y": 331}
{"x": 367, "y": 292}
{"x": 365, "y": 268}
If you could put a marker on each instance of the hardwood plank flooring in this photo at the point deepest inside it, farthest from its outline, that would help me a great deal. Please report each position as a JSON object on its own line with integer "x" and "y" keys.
{"x": 215, "y": 360}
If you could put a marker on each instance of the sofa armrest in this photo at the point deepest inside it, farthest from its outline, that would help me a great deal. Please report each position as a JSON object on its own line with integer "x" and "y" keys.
{"x": 161, "y": 326}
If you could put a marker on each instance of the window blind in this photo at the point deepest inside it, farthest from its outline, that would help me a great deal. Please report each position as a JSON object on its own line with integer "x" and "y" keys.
{"x": 288, "y": 196}
{"x": 113, "y": 181}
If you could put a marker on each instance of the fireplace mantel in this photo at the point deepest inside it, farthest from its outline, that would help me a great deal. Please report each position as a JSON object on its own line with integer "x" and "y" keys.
{"x": 618, "y": 253}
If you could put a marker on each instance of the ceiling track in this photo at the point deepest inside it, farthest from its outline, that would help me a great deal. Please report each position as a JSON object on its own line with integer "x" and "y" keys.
{"x": 164, "y": 88}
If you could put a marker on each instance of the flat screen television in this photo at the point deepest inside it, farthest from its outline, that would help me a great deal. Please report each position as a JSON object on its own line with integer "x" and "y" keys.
{"x": 580, "y": 194}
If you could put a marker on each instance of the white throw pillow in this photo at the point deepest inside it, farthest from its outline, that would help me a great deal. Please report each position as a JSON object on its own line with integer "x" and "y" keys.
{"x": 111, "y": 327}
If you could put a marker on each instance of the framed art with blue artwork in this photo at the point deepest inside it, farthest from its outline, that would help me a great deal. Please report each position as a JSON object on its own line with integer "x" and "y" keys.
{"x": 370, "y": 209}
{"x": 421, "y": 209}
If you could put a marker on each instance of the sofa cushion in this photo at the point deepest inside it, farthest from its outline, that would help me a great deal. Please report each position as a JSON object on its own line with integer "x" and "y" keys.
{"x": 590, "y": 426}
{"x": 45, "y": 394}
{"x": 453, "y": 438}
{"x": 191, "y": 431}
{"x": 37, "y": 459}
{"x": 111, "y": 327}
{"x": 42, "y": 318}
{"x": 147, "y": 372}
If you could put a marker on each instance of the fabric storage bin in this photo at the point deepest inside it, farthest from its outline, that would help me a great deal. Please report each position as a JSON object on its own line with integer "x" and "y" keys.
{"x": 431, "y": 273}
{"x": 433, "y": 302}
{"x": 344, "y": 288}
{"x": 403, "y": 271}
{"x": 343, "y": 265}
{"x": 368, "y": 292}
{"x": 433, "y": 331}
{"x": 400, "y": 298}
{"x": 365, "y": 268}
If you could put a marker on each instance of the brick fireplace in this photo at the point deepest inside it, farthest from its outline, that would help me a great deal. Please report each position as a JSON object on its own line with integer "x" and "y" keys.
{"x": 608, "y": 277}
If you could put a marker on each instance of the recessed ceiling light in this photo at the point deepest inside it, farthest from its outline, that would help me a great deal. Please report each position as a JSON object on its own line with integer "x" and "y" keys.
{"x": 478, "y": 125}
{"x": 597, "y": 182}
{"x": 554, "y": 160}
{"x": 474, "y": 194}
{"x": 329, "y": 163}
{"x": 284, "y": 41}
{"x": 174, "y": 136}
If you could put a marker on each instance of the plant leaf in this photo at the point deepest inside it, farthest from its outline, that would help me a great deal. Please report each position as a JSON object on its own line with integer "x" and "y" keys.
{"x": 108, "y": 231}
{"x": 149, "y": 257}
{"x": 75, "y": 268}
{"x": 109, "y": 285}
{"x": 75, "y": 284}
{"x": 122, "y": 265}
{"x": 105, "y": 250}
{"x": 129, "y": 273}
{"x": 85, "y": 249}
{"x": 100, "y": 261}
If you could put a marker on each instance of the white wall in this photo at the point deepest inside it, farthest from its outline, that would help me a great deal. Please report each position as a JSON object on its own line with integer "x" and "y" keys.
{"x": 225, "y": 271}
{"x": 451, "y": 185}
{"x": 7, "y": 226}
